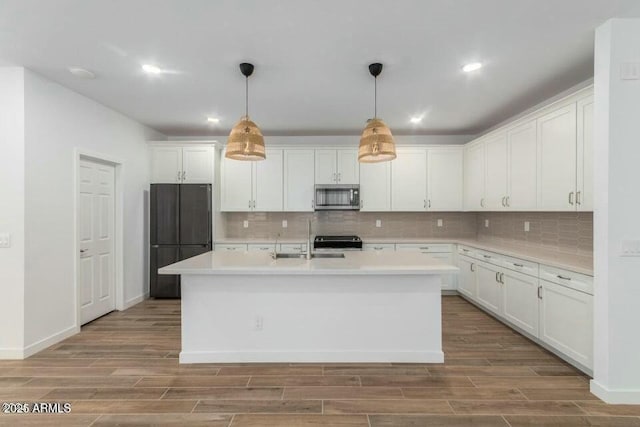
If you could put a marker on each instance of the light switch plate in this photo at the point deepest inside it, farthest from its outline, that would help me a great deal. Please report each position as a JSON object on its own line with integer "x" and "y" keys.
{"x": 378, "y": 223}
{"x": 630, "y": 71}
{"x": 526, "y": 226}
{"x": 245, "y": 224}
{"x": 439, "y": 223}
{"x": 630, "y": 248}
{"x": 5, "y": 240}
{"x": 285, "y": 224}
{"x": 486, "y": 223}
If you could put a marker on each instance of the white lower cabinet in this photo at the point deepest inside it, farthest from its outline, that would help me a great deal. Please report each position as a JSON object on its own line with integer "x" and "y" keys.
{"x": 566, "y": 321}
{"x": 223, "y": 247}
{"x": 489, "y": 287}
{"x": 256, "y": 247}
{"x": 438, "y": 251}
{"x": 467, "y": 285}
{"x": 520, "y": 294}
{"x": 379, "y": 246}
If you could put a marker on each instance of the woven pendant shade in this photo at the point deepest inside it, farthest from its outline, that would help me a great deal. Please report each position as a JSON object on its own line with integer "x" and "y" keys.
{"x": 245, "y": 141}
{"x": 376, "y": 143}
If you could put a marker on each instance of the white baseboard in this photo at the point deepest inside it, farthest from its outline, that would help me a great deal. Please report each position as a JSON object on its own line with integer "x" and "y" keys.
{"x": 37, "y": 346}
{"x": 11, "y": 353}
{"x": 135, "y": 300}
{"x": 311, "y": 357}
{"x": 623, "y": 397}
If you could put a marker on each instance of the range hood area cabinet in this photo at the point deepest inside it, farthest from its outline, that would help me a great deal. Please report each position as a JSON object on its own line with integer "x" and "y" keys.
{"x": 192, "y": 164}
{"x": 541, "y": 162}
{"x": 252, "y": 186}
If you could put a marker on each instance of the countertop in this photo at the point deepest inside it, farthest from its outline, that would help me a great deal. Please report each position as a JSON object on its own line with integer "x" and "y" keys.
{"x": 354, "y": 263}
{"x": 578, "y": 263}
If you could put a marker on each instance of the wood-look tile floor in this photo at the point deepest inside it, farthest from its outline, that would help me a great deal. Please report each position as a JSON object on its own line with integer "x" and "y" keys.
{"x": 123, "y": 370}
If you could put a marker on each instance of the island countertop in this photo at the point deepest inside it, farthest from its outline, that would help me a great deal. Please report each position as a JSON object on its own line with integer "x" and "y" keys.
{"x": 354, "y": 263}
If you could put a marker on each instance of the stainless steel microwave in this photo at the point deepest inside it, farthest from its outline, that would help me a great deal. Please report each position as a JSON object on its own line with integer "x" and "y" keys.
{"x": 337, "y": 197}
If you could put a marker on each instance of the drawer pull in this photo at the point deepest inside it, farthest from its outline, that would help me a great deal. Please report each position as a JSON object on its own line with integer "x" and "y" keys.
{"x": 518, "y": 265}
{"x": 563, "y": 278}
{"x": 487, "y": 256}
{"x": 465, "y": 250}
{"x": 424, "y": 248}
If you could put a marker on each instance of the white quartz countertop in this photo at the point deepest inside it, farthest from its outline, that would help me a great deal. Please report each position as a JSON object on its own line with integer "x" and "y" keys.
{"x": 354, "y": 263}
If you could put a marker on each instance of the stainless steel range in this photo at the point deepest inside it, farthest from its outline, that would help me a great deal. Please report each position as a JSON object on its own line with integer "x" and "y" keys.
{"x": 337, "y": 243}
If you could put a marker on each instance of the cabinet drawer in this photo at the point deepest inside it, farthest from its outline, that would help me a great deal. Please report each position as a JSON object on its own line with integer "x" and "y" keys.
{"x": 517, "y": 264}
{"x": 425, "y": 247}
{"x": 292, "y": 247}
{"x": 231, "y": 247}
{"x": 467, "y": 251}
{"x": 379, "y": 246}
{"x": 570, "y": 279}
{"x": 262, "y": 248}
{"x": 490, "y": 257}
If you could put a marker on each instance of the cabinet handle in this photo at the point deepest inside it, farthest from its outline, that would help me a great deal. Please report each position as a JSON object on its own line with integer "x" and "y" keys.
{"x": 518, "y": 265}
{"x": 184, "y": 175}
{"x": 424, "y": 248}
{"x": 429, "y": 203}
{"x": 313, "y": 204}
{"x": 482, "y": 203}
{"x": 562, "y": 277}
{"x": 571, "y": 198}
{"x": 471, "y": 267}
{"x": 465, "y": 250}
{"x": 424, "y": 204}
{"x": 502, "y": 278}
{"x": 504, "y": 204}
{"x": 487, "y": 256}
{"x": 539, "y": 292}
{"x": 507, "y": 200}
{"x": 578, "y": 201}
{"x": 497, "y": 277}
{"x": 179, "y": 175}
{"x": 249, "y": 204}
{"x": 361, "y": 203}
{"x": 339, "y": 176}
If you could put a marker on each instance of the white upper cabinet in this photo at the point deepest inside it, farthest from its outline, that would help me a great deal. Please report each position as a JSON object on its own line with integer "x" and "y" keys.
{"x": 522, "y": 154}
{"x": 409, "y": 180}
{"x": 557, "y": 159}
{"x": 298, "y": 180}
{"x": 235, "y": 185}
{"x": 336, "y": 166}
{"x": 474, "y": 177}
{"x": 252, "y": 186}
{"x": 584, "y": 194}
{"x": 375, "y": 187}
{"x": 444, "y": 180}
{"x": 496, "y": 172}
{"x": 181, "y": 165}
{"x": 268, "y": 182}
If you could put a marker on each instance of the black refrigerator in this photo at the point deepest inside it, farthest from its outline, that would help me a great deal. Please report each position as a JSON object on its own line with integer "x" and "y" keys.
{"x": 180, "y": 228}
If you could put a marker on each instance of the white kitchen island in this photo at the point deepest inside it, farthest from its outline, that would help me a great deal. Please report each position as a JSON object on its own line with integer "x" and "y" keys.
{"x": 366, "y": 307}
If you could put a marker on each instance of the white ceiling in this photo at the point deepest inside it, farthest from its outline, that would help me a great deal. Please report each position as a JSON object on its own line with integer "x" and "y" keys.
{"x": 311, "y": 58}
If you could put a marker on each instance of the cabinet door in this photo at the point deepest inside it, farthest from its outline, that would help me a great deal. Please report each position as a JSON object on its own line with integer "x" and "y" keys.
{"x": 409, "y": 181}
{"x": 268, "y": 182}
{"x": 235, "y": 185}
{"x": 348, "y": 170}
{"x": 566, "y": 321}
{"x": 379, "y": 247}
{"x": 496, "y": 172}
{"x": 489, "y": 289}
{"x": 166, "y": 165}
{"x": 523, "y": 173}
{"x": 197, "y": 165}
{"x": 474, "y": 179}
{"x": 448, "y": 280}
{"x": 557, "y": 160}
{"x": 298, "y": 180}
{"x": 584, "y": 198}
{"x": 467, "y": 277}
{"x": 520, "y": 303}
{"x": 444, "y": 181}
{"x": 375, "y": 187}
{"x": 326, "y": 172}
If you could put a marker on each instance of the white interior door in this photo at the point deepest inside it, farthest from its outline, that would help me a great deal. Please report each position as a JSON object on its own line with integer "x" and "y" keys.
{"x": 96, "y": 216}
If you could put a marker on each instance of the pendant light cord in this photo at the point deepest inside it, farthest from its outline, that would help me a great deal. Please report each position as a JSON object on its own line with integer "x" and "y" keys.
{"x": 375, "y": 97}
{"x": 246, "y": 97}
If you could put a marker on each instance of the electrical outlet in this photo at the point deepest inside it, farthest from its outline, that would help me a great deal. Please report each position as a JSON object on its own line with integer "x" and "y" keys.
{"x": 5, "y": 240}
{"x": 439, "y": 223}
{"x": 378, "y": 223}
{"x": 245, "y": 224}
{"x": 631, "y": 248}
{"x": 526, "y": 226}
{"x": 258, "y": 323}
{"x": 630, "y": 71}
{"x": 486, "y": 223}
{"x": 285, "y": 224}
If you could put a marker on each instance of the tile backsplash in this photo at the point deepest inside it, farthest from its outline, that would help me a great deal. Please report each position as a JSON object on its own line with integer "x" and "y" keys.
{"x": 266, "y": 225}
{"x": 567, "y": 232}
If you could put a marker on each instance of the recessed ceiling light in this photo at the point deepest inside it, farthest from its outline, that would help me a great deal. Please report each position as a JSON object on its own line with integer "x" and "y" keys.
{"x": 213, "y": 120}
{"x": 416, "y": 119}
{"x": 82, "y": 73}
{"x": 473, "y": 66}
{"x": 151, "y": 69}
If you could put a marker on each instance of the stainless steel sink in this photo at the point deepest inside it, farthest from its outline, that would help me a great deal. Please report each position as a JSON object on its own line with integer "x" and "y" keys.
{"x": 318, "y": 255}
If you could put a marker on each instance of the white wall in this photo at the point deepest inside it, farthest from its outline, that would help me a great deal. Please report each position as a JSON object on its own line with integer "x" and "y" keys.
{"x": 617, "y": 205}
{"x": 57, "y": 122}
{"x": 12, "y": 211}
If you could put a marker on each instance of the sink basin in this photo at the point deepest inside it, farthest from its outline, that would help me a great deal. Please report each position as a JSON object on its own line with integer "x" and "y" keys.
{"x": 318, "y": 255}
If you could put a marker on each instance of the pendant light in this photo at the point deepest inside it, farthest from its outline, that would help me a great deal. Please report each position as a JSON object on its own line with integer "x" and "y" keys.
{"x": 245, "y": 140}
{"x": 376, "y": 142}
